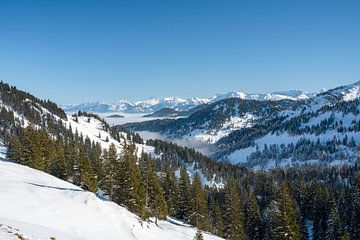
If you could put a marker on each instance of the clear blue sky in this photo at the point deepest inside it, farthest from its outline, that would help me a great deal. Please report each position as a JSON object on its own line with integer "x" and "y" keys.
{"x": 76, "y": 51}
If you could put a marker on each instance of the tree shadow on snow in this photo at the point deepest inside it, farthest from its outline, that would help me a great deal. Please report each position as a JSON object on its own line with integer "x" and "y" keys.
{"x": 57, "y": 188}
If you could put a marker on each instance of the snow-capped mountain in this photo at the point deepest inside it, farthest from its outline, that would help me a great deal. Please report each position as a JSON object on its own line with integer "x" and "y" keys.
{"x": 274, "y": 96}
{"x": 317, "y": 129}
{"x": 180, "y": 104}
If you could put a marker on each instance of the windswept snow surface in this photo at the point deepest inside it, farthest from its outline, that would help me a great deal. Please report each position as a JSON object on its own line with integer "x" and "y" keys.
{"x": 40, "y": 206}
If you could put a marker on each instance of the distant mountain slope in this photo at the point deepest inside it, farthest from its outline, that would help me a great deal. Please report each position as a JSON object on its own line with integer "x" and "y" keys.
{"x": 164, "y": 112}
{"x": 41, "y": 206}
{"x": 155, "y": 104}
{"x": 323, "y": 129}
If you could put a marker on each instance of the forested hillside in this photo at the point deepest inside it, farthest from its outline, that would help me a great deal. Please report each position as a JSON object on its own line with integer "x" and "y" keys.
{"x": 320, "y": 130}
{"x": 162, "y": 179}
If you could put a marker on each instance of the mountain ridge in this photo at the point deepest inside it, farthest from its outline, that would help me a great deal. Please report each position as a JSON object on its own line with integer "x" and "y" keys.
{"x": 154, "y": 104}
{"x": 249, "y": 127}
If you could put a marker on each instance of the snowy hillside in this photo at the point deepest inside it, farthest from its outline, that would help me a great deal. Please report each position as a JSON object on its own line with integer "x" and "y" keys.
{"x": 154, "y": 104}
{"x": 39, "y": 206}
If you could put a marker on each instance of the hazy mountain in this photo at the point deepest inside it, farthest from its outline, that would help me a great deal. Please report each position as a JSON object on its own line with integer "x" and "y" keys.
{"x": 180, "y": 104}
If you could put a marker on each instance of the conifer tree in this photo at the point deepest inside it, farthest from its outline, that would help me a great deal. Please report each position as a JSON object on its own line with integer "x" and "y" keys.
{"x": 15, "y": 149}
{"x": 111, "y": 168}
{"x": 59, "y": 166}
{"x": 198, "y": 235}
{"x": 131, "y": 192}
{"x": 216, "y": 216}
{"x": 155, "y": 200}
{"x": 253, "y": 221}
{"x": 333, "y": 228}
{"x": 287, "y": 226}
{"x": 84, "y": 176}
{"x": 169, "y": 185}
{"x": 184, "y": 198}
{"x": 200, "y": 214}
{"x": 31, "y": 146}
{"x": 233, "y": 215}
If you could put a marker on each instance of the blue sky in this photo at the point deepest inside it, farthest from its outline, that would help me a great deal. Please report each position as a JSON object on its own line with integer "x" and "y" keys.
{"x": 76, "y": 51}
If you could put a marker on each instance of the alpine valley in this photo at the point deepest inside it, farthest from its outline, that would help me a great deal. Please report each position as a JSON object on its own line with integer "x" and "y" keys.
{"x": 283, "y": 165}
{"x": 291, "y": 130}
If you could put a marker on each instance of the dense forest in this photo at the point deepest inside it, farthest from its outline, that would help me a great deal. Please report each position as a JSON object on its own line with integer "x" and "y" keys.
{"x": 274, "y": 204}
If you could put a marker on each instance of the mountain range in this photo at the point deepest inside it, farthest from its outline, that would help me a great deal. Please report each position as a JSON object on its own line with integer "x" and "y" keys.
{"x": 180, "y": 104}
{"x": 322, "y": 129}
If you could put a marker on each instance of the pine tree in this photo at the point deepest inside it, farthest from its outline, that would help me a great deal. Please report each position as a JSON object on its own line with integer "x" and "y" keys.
{"x": 233, "y": 215}
{"x": 131, "y": 192}
{"x": 216, "y": 216}
{"x": 200, "y": 214}
{"x": 155, "y": 200}
{"x": 169, "y": 185}
{"x": 111, "y": 168}
{"x": 253, "y": 221}
{"x": 59, "y": 166}
{"x": 333, "y": 228}
{"x": 198, "y": 235}
{"x": 84, "y": 176}
{"x": 184, "y": 198}
{"x": 31, "y": 149}
{"x": 287, "y": 226}
{"x": 15, "y": 149}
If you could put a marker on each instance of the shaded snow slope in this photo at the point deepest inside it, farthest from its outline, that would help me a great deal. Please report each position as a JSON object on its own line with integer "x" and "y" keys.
{"x": 41, "y": 206}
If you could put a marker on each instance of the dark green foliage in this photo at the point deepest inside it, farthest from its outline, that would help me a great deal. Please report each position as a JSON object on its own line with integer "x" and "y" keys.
{"x": 169, "y": 186}
{"x": 233, "y": 212}
{"x": 216, "y": 216}
{"x": 200, "y": 213}
{"x": 253, "y": 220}
{"x": 184, "y": 196}
{"x": 198, "y": 235}
{"x": 155, "y": 200}
{"x": 131, "y": 192}
{"x": 286, "y": 222}
{"x": 111, "y": 166}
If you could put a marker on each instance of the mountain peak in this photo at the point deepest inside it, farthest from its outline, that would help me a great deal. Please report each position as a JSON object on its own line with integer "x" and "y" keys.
{"x": 153, "y": 104}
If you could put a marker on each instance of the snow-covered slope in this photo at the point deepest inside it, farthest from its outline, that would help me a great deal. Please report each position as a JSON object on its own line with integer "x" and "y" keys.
{"x": 274, "y": 96}
{"x": 38, "y": 206}
{"x": 181, "y": 104}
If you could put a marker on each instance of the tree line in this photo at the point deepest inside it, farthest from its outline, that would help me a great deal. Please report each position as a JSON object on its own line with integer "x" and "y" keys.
{"x": 274, "y": 204}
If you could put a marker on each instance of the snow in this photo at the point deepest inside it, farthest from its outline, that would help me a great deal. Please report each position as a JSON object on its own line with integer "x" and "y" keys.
{"x": 93, "y": 130}
{"x": 352, "y": 94}
{"x": 41, "y": 206}
{"x": 348, "y": 92}
{"x": 240, "y": 156}
{"x": 190, "y": 168}
{"x": 154, "y": 104}
{"x": 310, "y": 228}
{"x": 212, "y": 136}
